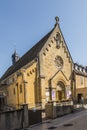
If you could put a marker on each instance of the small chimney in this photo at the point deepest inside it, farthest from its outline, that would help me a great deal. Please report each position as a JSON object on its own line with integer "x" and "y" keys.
{"x": 15, "y": 58}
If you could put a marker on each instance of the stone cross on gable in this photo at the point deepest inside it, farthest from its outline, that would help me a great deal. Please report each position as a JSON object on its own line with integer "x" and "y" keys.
{"x": 57, "y": 19}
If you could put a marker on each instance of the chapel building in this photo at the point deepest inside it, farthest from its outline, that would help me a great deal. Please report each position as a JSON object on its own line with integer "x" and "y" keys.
{"x": 45, "y": 73}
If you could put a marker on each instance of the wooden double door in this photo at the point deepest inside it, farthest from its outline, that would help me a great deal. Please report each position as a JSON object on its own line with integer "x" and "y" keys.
{"x": 61, "y": 91}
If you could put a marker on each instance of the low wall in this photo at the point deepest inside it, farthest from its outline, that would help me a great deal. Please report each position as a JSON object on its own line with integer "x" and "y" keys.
{"x": 11, "y": 120}
{"x": 54, "y": 110}
{"x": 18, "y": 119}
{"x": 15, "y": 119}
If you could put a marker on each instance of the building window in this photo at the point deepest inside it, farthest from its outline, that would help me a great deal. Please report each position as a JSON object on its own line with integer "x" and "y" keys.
{"x": 14, "y": 91}
{"x": 20, "y": 88}
{"x": 81, "y": 79}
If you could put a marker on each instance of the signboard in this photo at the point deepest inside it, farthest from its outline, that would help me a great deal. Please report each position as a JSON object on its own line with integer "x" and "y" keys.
{"x": 68, "y": 92}
{"x": 53, "y": 94}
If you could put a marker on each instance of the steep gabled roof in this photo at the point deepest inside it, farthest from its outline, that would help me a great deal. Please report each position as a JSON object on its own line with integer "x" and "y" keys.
{"x": 27, "y": 57}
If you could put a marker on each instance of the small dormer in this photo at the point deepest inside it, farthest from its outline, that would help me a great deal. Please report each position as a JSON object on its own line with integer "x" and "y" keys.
{"x": 76, "y": 66}
{"x": 15, "y": 58}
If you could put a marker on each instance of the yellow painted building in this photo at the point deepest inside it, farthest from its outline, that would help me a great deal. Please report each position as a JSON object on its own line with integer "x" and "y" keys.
{"x": 46, "y": 72}
{"x": 80, "y": 81}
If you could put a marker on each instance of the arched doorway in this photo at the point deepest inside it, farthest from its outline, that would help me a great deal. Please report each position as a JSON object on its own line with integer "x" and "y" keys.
{"x": 61, "y": 93}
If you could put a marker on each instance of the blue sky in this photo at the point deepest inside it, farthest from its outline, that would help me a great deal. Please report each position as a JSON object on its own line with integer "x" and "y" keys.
{"x": 24, "y": 22}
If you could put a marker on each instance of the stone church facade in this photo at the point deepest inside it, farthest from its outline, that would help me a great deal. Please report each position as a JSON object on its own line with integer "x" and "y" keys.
{"x": 45, "y": 73}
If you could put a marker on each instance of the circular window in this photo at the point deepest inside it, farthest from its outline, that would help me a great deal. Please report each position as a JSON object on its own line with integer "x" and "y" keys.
{"x": 59, "y": 62}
